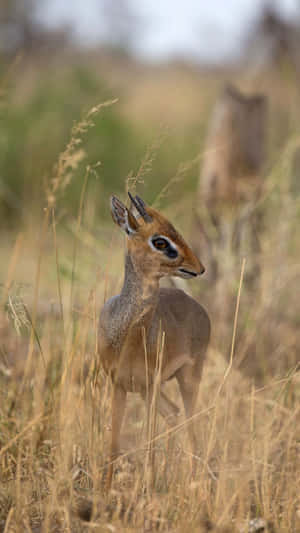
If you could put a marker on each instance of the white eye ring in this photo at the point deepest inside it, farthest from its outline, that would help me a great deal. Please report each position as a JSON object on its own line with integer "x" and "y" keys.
{"x": 171, "y": 245}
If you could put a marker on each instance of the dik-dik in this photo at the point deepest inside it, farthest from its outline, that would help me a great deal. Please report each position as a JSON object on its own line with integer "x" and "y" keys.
{"x": 132, "y": 322}
{"x": 231, "y": 178}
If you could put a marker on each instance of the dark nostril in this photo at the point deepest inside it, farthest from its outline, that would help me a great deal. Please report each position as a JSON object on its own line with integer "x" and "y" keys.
{"x": 202, "y": 270}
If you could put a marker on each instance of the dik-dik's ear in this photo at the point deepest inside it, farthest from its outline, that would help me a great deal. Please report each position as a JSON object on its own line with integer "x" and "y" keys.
{"x": 122, "y": 216}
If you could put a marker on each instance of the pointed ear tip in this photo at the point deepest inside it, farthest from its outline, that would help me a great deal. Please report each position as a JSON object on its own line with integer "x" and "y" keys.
{"x": 140, "y": 200}
{"x": 115, "y": 202}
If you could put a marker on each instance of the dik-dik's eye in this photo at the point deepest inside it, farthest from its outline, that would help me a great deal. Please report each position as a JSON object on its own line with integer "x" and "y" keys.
{"x": 165, "y": 246}
{"x": 160, "y": 243}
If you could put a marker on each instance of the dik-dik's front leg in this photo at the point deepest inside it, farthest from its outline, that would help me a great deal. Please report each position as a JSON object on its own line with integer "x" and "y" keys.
{"x": 117, "y": 413}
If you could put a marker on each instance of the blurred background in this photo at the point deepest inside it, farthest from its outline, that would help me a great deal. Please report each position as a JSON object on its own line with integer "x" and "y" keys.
{"x": 165, "y": 64}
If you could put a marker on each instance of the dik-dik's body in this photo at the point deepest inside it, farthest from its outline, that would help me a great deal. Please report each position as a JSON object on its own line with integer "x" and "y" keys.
{"x": 173, "y": 314}
{"x": 133, "y": 324}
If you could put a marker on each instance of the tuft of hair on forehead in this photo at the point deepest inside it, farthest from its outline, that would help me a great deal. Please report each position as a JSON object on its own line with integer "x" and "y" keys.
{"x": 162, "y": 225}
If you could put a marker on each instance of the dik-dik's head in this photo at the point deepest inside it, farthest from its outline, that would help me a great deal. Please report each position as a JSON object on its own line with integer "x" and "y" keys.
{"x": 154, "y": 245}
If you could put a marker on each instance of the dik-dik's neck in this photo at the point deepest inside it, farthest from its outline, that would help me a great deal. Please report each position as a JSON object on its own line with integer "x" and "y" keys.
{"x": 140, "y": 290}
{"x": 133, "y": 309}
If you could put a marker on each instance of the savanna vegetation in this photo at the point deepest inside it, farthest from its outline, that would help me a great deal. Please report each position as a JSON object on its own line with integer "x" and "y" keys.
{"x": 72, "y": 132}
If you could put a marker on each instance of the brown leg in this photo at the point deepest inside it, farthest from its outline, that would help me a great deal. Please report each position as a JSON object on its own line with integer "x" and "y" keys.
{"x": 189, "y": 386}
{"x": 118, "y": 410}
{"x": 165, "y": 407}
{"x": 168, "y": 409}
{"x": 170, "y": 412}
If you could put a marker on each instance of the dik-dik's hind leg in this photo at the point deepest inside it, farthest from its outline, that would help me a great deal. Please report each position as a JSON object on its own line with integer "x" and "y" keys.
{"x": 165, "y": 406}
{"x": 168, "y": 409}
{"x": 118, "y": 410}
{"x": 188, "y": 380}
{"x": 170, "y": 412}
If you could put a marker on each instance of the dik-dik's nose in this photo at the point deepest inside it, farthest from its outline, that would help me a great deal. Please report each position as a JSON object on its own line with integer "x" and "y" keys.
{"x": 202, "y": 269}
{"x": 192, "y": 268}
{"x": 198, "y": 266}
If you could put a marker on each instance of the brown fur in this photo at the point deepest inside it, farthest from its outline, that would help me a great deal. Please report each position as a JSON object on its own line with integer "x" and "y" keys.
{"x": 133, "y": 323}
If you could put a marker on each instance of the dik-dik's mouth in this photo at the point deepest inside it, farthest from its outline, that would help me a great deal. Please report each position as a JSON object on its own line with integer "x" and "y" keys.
{"x": 184, "y": 273}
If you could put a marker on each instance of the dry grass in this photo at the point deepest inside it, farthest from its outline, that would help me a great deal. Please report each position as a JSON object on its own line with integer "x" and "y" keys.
{"x": 55, "y": 399}
{"x": 55, "y": 430}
